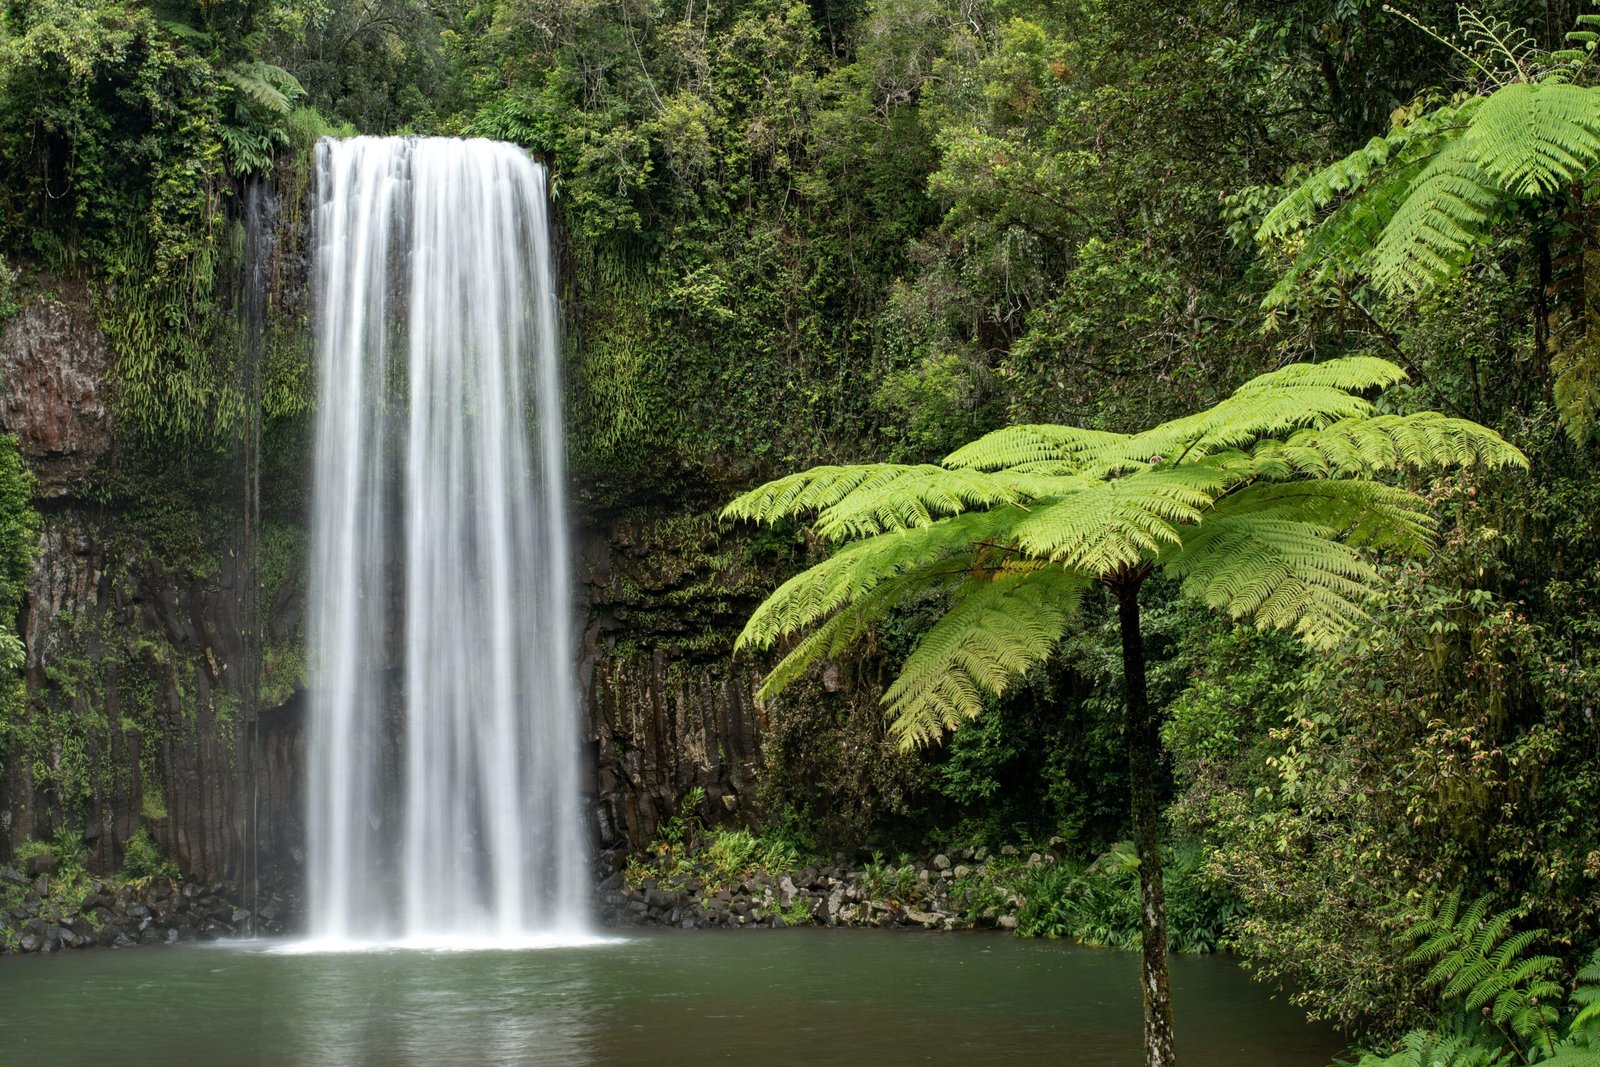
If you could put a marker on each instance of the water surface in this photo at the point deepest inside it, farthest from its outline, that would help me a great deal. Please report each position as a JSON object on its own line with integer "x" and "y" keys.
{"x": 767, "y": 997}
{"x": 704, "y": 997}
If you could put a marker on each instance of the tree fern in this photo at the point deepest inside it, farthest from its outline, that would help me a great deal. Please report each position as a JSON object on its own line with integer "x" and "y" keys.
{"x": 995, "y": 630}
{"x": 1261, "y": 506}
{"x": 1417, "y": 209}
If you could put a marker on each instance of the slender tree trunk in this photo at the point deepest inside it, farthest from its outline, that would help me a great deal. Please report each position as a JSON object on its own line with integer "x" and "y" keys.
{"x": 1144, "y": 749}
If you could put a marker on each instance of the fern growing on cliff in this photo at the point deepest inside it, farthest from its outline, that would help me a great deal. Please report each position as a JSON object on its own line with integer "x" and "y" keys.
{"x": 1260, "y": 507}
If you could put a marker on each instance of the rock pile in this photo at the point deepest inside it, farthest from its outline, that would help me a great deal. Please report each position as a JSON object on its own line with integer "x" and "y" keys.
{"x": 943, "y": 892}
{"x": 145, "y": 912}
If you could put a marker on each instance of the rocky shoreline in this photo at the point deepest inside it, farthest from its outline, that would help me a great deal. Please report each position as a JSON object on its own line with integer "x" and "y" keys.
{"x": 952, "y": 891}
{"x": 149, "y": 911}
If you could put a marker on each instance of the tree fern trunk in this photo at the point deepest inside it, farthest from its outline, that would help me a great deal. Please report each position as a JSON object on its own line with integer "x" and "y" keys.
{"x": 1144, "y": 743}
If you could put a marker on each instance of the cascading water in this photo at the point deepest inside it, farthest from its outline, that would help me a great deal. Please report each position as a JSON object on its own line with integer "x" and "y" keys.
{"x": 444, "y": 796}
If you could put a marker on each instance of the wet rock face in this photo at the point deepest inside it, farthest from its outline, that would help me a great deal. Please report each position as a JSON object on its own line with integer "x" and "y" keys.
{"x": 135, "y": 718}
{"x": 668, "y": 708}
{"x": 54, "y": 385}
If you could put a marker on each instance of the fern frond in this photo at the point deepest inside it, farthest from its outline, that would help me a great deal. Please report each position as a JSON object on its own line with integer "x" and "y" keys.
{"x": 1422, "y": 1048}
{"x": 1433, "y": 232}
{"x": 1585, "y": 1025}
{"x": 1497, "y": 38}
{"x": 917, "y": 498}
{"x": 1534, "y": 138}
{"x": 1357, "y": 512}
{"x": 810, "y": 491}
{"x": 1282, "y": 574}
{"x": 1117, "y": 524}
{"x": 1404, "y": 144}
{"x": 265, "y": 84}
{"x": 1299, "y": 396}
{"x": 993, "y": 633}
{"x": 1343, "y": 242}
{"x": 1412, "y": 218}
{"x": 1018, "y": 446}
{"x": 856, "y": 572}
{"x": 1381, "y": 443}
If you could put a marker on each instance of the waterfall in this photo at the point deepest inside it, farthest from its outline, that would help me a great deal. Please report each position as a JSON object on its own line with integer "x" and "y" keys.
{"x": 443, "y": 742}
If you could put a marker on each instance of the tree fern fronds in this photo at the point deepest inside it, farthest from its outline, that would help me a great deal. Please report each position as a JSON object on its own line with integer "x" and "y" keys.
{"x": 1414, "y": 223}
{"x": 1281, "y": 574}
{"x": 1116, "y": 524}
{"x": 1279, "y": 402}
{"x": 1235, "y": 422}
{"x": 828, "y": 641}
{"x": 266, "y": 85}
{"x": 1404, "y": 144}
{"x": 858, "y": 570}
{"x": 914, "y": 499}
{"x": 1575, "y": 1056}
{"x": 1535, "y": 138}
{"x": 1585, "y": 1024}
{"x": 1355, "y": 374}
{"x": 810, "y": 491}
{"x": 1343, "y": 242}
{"x": 1019, "y": 446}
{"x": 1423, "y": 1048}
{"x": 993, "y": 633}
{"x": 1479, "y": 965}
{"x": 1498, "y": 39}
{"x": 1358, "y": 512}
{"x": 1433, "y": 232}
{"x": 1381, "y": 443}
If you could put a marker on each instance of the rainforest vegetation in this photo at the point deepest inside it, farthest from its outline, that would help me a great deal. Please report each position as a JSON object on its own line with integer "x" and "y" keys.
{"x": 821, "y": 233}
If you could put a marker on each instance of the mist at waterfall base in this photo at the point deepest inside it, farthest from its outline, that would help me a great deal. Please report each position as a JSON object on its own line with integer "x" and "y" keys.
{"x": 443, "y": 806}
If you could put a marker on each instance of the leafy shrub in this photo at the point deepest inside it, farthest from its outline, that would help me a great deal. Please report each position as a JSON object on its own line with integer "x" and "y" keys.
{"x": 142, "y": 858}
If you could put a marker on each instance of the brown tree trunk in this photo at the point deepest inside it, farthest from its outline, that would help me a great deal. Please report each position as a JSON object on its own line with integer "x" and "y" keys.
{"x": 1144, "y": 751}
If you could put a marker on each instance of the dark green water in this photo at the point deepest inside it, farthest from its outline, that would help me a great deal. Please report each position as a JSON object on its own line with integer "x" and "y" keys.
{"x": 772, "y": 997}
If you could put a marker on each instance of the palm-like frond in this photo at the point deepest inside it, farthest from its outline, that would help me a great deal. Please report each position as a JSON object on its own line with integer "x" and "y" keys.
{"x": 856, "y": 572}
{"x": 916, "y": 498}
{"x": 1020, "y": 446}
{"x": 1434, "y": 229}
{"x": 1423, "y": 1048}
{"x": 1366, "y": 166}
{"x": 265, "y": 84}
{"x": 1260, "y": 507}
{"x": 1479, "y": 965}
{"x": 1369, "y": 446}
{"x": 1533, "y": 138}
{"x": 1114, "y": 525}
{"x": 1415, "y": 205}
{"x": 995, "y": 630}
{"x": 810, "y": 491}
{"x": 1281, "y": 573}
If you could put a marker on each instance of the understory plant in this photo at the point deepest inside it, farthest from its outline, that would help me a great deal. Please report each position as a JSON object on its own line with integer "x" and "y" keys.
{"x": 1499, "y": 1000}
